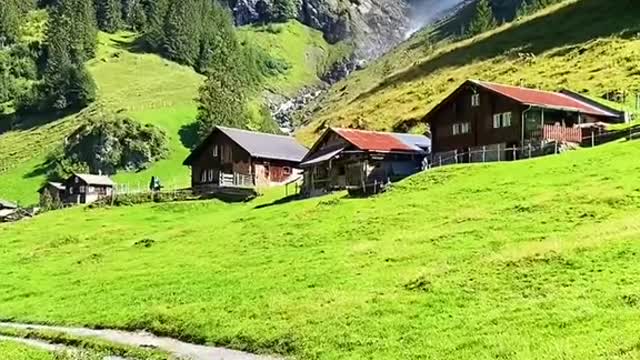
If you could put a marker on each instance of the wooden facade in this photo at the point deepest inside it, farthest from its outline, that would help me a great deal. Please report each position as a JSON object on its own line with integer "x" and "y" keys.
{"x": 336, "y": 163}
{"x": 54, "y": 191}
{"x": 225, "y": 160}
{"x": 480, "y": 115}
{"x": 86, "y": 189}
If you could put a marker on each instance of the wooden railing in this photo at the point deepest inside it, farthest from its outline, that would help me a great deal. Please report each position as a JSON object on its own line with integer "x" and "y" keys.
{"x": 561, "y": 133}
{"x": 236, "y": 180}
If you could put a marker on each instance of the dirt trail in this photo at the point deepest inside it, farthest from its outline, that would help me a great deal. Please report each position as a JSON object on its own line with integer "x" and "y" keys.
{"x": 43, "y": 345}
{"x": 141, "y": 339}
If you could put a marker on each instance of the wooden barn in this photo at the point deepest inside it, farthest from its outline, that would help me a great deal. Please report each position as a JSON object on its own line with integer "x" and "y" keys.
{"x": 86, "y": 188}
{"x": 230, "y": 158}
{"x": 482, "y": 115}
{"x": 361, "y": 161}
{"x": 55, "y": 191}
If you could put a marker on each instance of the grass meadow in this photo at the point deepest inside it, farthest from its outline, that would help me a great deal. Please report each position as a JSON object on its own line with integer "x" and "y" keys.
{"x": 536, "y": 259}
{"x": 14, "y": 351}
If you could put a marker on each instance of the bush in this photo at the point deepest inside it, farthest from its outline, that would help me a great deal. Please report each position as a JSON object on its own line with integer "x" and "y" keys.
{"x": 107, "y": 143}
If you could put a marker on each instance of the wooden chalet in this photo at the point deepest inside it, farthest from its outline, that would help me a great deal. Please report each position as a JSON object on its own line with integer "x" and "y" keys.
{"x": 86, "y": 188}
{"x": 234, "y": 158}
{"x": 487, "y": 116}
{"x": 361, "y": 161}
{"x": 54, "y": 190}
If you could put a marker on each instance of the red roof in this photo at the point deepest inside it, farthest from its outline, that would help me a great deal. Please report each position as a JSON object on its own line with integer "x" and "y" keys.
{"x": 545, "y": 99}
{"x": 374, "y": 141}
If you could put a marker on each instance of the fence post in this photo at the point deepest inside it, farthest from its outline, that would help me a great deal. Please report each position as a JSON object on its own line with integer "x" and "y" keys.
{"x": 593, "y": 138}
{"x": 455, "y": 152}
{"x": 529, "y": 150}
{"x": 514, "y": 154}
{"x": 440, "y": 160}
{"x": 498, "y": 152}
{"x": 484, "y": 154}
{"x": 555, "y": 144}
{"x": 470, "y": 154}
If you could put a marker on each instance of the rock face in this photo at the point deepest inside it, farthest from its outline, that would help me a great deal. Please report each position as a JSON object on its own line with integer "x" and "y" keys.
{"x": 373, "y": 25}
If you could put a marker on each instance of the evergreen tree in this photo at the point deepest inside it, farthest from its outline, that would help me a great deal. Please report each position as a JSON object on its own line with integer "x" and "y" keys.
{"x": 156, "y": 12}
{"x": 222, "y": 102}
{"x": 283, "y": 10}
{"x": 9, "y": 22}
{"x": 218, "y": 42}
{"x": 484, "y": 20}
{"x": 182, "y": 30}
{"x": 66, "y": 82}
{"x": 137, "y": 18}
{"x": 109, "y": 15}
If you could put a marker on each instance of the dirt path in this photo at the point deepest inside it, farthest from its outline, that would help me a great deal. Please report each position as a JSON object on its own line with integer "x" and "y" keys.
{"x": 43, "y": 345}
{"x": 141, "y": 339}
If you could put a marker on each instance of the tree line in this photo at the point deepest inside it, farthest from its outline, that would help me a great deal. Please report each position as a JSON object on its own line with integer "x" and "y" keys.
{"x": 484, "y": 18}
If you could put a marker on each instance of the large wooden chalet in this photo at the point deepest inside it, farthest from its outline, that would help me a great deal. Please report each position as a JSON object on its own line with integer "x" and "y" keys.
{"x": 240, "y": 158}
{"x": 361, "y": 161}
{"x": 484, "y": 115}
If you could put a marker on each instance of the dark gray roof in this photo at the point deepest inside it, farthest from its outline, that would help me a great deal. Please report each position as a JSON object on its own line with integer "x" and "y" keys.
{"x": 259, "y": 145}
{"x": 99, "y": 180}
{"x": 4, "y": 204}
{"x": 56, "y": 185}
{"x": 420, "y": 142}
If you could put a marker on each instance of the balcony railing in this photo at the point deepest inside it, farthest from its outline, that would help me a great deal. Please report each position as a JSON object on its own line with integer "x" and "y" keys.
{"x": 561, "y": 133}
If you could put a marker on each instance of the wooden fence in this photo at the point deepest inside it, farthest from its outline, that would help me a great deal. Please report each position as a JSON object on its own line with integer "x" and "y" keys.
{"x": 561, "y": 133}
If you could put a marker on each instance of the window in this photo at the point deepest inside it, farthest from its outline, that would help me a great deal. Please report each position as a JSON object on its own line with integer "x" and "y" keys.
{"x": 82, "y": 189}
{"x": 502, "y": 120}
{"x": 91, "y": 189}
{"x": 71, "y": 191}
{"x": 77, "y": 180}
{"x": 203, "y": 176}
{"x": 214, "y": 151}
{"x": 211, "y": 173}
{"x": 286, "y": 170}
{"x": 465, "y": 127}
{"x": 461, "y": 128}
{"x": 456, "y": 129}
{"x": 475, "y": 100}
{"x": 506, "y": 119}
{"x": 497, "y": 121}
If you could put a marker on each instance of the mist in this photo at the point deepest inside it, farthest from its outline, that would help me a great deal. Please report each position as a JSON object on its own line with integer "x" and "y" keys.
{"x": 425, "y": 12}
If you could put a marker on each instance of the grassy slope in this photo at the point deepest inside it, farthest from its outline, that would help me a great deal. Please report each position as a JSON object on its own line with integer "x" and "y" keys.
{"x": 530, "y": 260}
{"x": 585, "y": 45}
{"x": 302, "y": 48}
{"x": 14, "y": 351}
{"x": 153, "y": 90}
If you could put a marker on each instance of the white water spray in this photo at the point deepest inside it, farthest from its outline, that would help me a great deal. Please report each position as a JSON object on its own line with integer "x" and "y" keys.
{"x": 427, "y": 12}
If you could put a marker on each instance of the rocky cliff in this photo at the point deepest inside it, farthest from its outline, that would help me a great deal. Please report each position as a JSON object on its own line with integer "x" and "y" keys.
{"x": 372, "y": 25}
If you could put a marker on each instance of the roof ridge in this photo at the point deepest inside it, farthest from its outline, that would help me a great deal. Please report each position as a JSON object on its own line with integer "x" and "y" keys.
{"x": 255, "y": 132}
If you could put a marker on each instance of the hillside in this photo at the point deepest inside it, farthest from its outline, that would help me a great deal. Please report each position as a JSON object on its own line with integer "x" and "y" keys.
{"x": 587, "y": 45}
{"x": 154, "y": 90}
{"x": 531, "y": 260}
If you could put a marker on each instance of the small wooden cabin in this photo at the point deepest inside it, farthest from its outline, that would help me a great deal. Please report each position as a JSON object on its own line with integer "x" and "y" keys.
{"x": 86, "y": 188}
{"x": 361, "y": 161}
{"x": 244, "y": 159}
{"x": 54, "y": 190}
{"x": 481, "y": 115}
{"x": 8, "y": 211}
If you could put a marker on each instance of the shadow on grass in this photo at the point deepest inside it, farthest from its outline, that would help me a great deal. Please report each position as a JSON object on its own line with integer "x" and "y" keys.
{"x": 573, "y": 24}
{"x": 138, "y": 45}
{"x": 189, "y": 135}
{"x": 280, "y": 201}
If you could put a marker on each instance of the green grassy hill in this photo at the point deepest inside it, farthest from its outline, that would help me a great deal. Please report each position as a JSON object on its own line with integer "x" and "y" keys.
{"x": 534, "y": 259}
{"x": 154, "y": 90}
{"x": 589, "y": 46}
